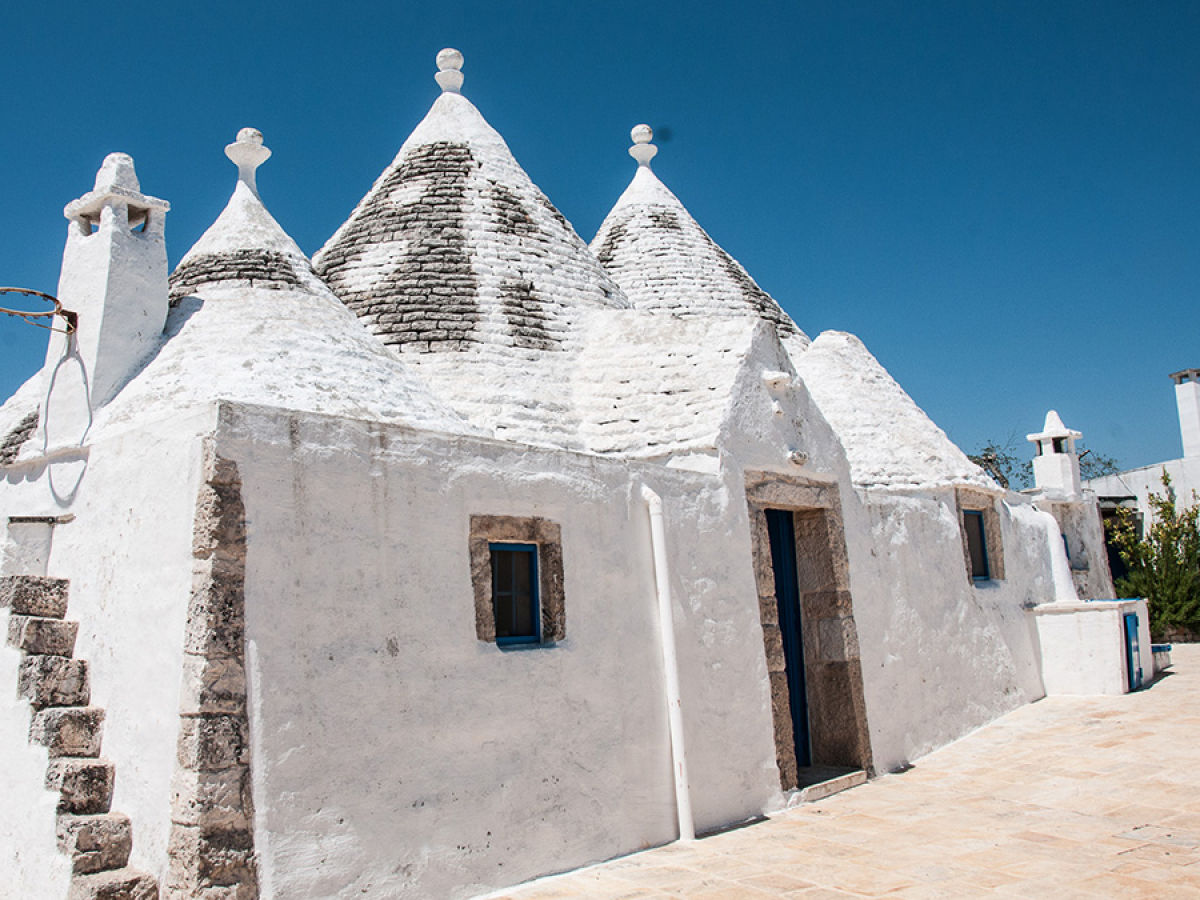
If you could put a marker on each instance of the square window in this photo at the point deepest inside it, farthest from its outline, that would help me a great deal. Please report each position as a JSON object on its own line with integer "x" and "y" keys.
{"x": 976, "y": 536}
{"x": 517, "y": 577}
{"x": 515, "y": 593}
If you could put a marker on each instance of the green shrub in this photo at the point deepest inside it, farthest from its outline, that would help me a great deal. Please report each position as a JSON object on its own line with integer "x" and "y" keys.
{"x": 1164, "y": 565}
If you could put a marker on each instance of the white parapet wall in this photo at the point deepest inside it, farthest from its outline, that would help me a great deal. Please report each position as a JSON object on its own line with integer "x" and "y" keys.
{"x": 1083, "y": 646}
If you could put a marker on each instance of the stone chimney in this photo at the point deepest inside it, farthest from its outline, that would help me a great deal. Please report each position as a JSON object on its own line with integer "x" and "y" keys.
{"x": 114, "y": 278}
{"x": 1187, "y": 398}
{"x": 1056, "y": 465}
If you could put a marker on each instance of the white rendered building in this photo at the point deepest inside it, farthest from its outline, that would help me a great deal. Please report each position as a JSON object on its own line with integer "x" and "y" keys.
{"x": 1132, "y": 488}
{"x": 465, "y": 553}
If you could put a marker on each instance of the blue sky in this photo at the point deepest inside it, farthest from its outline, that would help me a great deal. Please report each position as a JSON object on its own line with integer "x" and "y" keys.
{"x": 1002, "y": 199}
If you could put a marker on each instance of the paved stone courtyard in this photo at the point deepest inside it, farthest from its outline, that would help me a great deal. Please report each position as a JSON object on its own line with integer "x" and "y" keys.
{"x": 1065, "y": 798}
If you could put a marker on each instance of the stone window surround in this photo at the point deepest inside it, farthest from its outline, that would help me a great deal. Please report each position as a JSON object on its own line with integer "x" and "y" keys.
{"x": 977, "y": 500}
{"x": 486, "y": 530}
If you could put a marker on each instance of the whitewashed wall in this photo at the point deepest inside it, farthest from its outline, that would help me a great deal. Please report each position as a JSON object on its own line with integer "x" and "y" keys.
{"x": 1141, "y": 483}
{"x": 395, "y": 754}
{"x": 1083, "y": 647}
{"x": 128, "y": 557}
{"x": 941, "y": 655}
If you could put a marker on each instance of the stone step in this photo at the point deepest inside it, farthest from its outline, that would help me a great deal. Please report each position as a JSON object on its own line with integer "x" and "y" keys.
{"x": 85, "y": 786}
{"x": 44, "y": 637}
{"x": 121, "y": 884}
{"x": 95, "y": 843}
{"x": 34, "y": 595}
{"x": 54, "y": 681}
{"x": 68, "y": 730}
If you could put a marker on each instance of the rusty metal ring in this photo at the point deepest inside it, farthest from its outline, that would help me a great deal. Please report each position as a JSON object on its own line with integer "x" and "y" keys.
{"x": 72, "y": 319}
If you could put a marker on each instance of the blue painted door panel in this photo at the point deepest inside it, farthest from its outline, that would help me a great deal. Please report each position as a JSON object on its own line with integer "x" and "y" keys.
{"x": 782, "y": 530}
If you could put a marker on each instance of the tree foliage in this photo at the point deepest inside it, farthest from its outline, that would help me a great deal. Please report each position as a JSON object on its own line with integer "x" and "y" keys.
{"x": 1009, "y": 463}
{"x": 1096, "y": 465}
{"x": 1164, "y": 565}
{"x": 1004, "y": 465}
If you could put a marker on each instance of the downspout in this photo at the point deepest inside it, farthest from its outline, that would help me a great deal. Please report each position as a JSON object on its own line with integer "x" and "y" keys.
{"x": 666, "y": 625}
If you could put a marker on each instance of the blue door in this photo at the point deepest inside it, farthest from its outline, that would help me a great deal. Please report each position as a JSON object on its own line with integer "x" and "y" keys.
{"x": 1133, "y": 659}
{"x": 782, "y": 531}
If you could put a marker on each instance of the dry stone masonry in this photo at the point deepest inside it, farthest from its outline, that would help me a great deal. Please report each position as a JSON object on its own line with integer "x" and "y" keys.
{"x": 665, "y": 262}
{"x": 255, "y": 267}
{"x": 212, "y": 838}
{"x": 57, "y": 687}
{"x": 423, "y": 297}
{"x": 11, "y": 445}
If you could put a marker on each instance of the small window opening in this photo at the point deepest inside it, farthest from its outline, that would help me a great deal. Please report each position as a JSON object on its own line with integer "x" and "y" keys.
{"x": 976, "y": 544}
{"x": 138, "y": 219}
{"x": 1060, "y": 445}
{"x": 515, "y": 593}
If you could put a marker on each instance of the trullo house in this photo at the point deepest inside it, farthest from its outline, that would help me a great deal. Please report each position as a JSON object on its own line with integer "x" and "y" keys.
{"x": 465, "y": 552}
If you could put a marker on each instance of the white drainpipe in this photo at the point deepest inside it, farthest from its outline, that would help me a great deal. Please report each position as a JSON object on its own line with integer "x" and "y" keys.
{"x": 662, "y": 579}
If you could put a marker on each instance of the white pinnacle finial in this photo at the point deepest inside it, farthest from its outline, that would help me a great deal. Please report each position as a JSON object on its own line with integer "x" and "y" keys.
{"x": 117, "y": 172}
{"x": 449, "y": 62}
{"x": 642, "y": 150}
{"x": 248, "y": 153}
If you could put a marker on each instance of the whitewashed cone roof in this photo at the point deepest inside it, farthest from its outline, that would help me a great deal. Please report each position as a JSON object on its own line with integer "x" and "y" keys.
{"x": 251, "y": 322}
{"x": 665, "y": 262}
{"x": 658, "y": 386}
{"x": 889, "y": 440}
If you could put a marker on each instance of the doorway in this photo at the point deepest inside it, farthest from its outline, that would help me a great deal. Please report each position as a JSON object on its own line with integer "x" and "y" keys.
{"x": 809, "y": 635}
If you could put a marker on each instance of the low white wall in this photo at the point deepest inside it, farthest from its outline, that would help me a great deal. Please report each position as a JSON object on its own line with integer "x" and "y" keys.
{"x": 1083, "y": 647}
{"x": 394, "y": 754}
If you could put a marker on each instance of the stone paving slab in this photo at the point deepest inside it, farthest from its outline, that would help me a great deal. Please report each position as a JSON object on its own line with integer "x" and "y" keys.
{"x": 1069, "y": 797}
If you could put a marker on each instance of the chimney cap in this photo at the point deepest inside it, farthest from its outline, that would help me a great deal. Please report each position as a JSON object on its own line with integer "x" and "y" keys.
{"x": 1185, "y": 375}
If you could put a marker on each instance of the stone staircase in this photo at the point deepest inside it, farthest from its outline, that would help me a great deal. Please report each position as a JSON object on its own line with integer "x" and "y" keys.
{"x": 57, "y": 686}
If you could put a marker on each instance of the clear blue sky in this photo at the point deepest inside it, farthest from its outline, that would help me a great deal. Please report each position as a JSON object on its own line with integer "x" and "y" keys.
{"x": 1002, "y": 199}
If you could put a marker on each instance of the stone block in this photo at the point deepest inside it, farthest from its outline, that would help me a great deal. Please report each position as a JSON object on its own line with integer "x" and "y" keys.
{"x": 46, "y": 637}
{"x": 215, "y": 625}
{"x": 773, "y": 644}
{"x": 34, "y": 595}
{"x": 120, "y": 884}
{"x": 212, "y": 686}
{"x": 838, "y": 639}
{"x": 68, "y": 730}
{"x": 54, "y": 681}
{"x": 211, "y": 742}
{"x": 203, "y": 858}
{"x": 95, "y": 843}
{"x": 85, "y": 786}
{"x": 212, "y": 800}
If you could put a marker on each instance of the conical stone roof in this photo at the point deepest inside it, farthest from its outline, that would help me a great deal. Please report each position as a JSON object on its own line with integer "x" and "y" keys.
{"x": 458, "y": 261}
{"x": 251, "y": 322}
{"x": 455, "y": 246}
{"x": 665, "y": 262}
{"x": 890, "y": 442}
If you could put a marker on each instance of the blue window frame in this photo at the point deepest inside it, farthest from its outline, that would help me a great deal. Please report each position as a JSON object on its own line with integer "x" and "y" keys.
{"x": 976, "y": 544}
{"x": 515, "y": 593}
